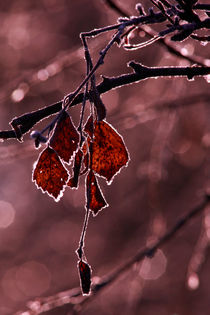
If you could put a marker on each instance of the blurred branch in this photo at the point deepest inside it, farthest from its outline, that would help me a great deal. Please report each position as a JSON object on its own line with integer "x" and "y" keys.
{"x": 28, "y": 120}
{"x": 63, "y": 60}
{"x": 74, "y": 297}
{"x": 182, "y": 101}
{"x": 200, "y": 252}
{"x": 116, "y": 8}
{"x": 28, "y": 79}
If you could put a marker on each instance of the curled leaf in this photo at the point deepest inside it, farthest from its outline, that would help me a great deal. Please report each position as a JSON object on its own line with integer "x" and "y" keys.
{"x": 49, "y": 174}
{"x": 65, "y": 137}
{"x": 73, "y": 181}
{"x": 85, "y": 276}
{"x": 94, "y": 198}
{"x": 109, "y": 151}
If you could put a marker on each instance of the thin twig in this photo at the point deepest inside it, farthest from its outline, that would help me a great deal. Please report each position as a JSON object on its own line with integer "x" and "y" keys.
{"x": 164, "y": 41}
{"x": 80, "y": 250}
{"x": 68, "y": 99}
{"x": 161, "y": 8}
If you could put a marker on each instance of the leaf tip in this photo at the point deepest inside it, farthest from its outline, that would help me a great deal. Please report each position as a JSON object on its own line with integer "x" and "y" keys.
{"x": 85, "y": 276}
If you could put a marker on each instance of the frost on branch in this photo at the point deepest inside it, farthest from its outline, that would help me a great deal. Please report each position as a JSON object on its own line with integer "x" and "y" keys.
{"x": 49, "y": 174}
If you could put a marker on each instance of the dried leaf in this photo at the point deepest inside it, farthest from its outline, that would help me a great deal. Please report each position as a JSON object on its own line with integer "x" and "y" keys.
{"x": 109, "y": 152}
{"x": 85, "y": 276}
{"x": 49, "y": 174}
{"x": 94, "y": 198}
{"x": 73, "y": 181}
{"x": 65, "y": 137}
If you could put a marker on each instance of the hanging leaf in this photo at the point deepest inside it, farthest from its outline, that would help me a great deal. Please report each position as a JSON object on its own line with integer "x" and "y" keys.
{"x": 109, "y": 151}
{"x": 94, "y": 198}
{"x": 85, "y": 276}
{"x": 49, "y": 174}
{"x": 73, "y": 181}
{"x": 65, "y": 137}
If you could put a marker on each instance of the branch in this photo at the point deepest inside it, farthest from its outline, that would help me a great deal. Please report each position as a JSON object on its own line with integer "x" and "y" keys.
{"x": 202, "y": 6}
{"x": 69, "y": 57}
{"x": 28, "y": 120}
{"x": 147, "y": 72}
{"x": 163, "y": 41}
{"x": 74, "y": 296}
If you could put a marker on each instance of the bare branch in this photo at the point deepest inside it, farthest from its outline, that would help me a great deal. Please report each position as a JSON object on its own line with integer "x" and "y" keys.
{"x": 164, "y": 41}
{"x": 28, "y": 120}
{"x": 202, "y": 6}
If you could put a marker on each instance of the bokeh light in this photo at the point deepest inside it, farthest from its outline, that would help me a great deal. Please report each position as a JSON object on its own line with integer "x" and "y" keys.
{"x": 7, "y": 214}
{"x": 153, "y": 268}
{"x": 32, "y": 278}
{"x": 9, "y": 286}
{"x": 193, "y": 281}
{"x": 18, "y": 95}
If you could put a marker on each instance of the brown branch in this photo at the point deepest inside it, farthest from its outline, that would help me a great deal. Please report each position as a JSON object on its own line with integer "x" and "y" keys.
{"x": 28, "y": 120}
{"x": 74, "y": 296}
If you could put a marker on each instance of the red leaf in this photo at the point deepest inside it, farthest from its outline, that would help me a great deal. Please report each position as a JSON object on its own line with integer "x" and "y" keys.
{"x": 109, "y": 151}
{"x": 85, "y": 276}
{"x": 49, "y": 174}
{"x": 73, "y": 181}
{"x": 94, "y": 198}
{"x": 65, "y": 138}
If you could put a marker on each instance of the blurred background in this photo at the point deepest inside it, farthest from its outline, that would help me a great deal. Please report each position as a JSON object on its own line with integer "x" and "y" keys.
{"x": 165, "y": 125}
